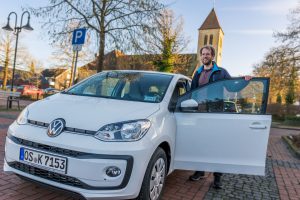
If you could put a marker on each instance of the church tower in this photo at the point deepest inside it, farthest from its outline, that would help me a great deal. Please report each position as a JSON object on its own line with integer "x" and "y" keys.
{"x": 211, "y": 33}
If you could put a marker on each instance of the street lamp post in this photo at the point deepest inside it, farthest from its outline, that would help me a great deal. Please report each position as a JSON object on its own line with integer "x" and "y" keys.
{"x": 17, "y": 30}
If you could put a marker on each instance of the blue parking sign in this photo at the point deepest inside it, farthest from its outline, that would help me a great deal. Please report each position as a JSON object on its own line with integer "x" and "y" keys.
{"x": 78, "y": 36}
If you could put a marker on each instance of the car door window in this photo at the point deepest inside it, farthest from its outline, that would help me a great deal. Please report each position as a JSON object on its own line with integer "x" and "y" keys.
{"x": 180, "y": 89}
{"x": 233, "y": 95}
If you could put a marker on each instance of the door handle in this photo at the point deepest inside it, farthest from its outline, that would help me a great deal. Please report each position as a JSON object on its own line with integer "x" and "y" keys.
{"x": 257, "y": 125}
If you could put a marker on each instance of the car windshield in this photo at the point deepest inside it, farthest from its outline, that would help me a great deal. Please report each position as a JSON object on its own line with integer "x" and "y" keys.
{"x": 131, "y": 86}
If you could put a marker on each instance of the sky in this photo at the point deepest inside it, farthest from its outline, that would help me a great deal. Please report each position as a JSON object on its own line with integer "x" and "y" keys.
{"x": 248, "y": 27}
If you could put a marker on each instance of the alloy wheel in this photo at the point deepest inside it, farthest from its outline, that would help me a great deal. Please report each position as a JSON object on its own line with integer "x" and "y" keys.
{"x": 157, "y": 178}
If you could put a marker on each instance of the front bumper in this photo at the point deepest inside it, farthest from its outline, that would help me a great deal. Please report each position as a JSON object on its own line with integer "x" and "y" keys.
{"x": 86, "y": 171}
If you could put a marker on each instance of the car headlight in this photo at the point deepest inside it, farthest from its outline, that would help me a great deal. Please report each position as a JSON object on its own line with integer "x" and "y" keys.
{"x": 124, "y": 131}
{"x": 23, "y": 117}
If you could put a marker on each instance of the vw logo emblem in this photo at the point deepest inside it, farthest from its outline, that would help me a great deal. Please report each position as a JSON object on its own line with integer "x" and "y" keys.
{"x": 56, "y": 127}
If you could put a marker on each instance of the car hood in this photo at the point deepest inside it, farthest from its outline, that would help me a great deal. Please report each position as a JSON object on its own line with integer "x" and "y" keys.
{"x": 89, "y": 113}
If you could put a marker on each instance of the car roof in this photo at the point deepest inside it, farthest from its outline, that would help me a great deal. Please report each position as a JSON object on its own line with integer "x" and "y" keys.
{"x": 152, "y": 72}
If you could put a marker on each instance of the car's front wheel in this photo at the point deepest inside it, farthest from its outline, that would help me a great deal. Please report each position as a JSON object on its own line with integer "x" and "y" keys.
{"x": 154, "y": 179}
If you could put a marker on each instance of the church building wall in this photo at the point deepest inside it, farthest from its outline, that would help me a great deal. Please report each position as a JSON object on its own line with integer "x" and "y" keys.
{"x": 212, "y": 37}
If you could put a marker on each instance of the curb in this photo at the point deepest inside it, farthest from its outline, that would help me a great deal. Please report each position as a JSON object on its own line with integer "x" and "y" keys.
{"x": 287, "y": 128}
{"x": 291, "y": 146}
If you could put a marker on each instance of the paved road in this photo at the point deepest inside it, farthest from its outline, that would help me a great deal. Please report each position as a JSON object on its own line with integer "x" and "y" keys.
{"x": 282, "y": 180}
{"x": 23, "y": 103}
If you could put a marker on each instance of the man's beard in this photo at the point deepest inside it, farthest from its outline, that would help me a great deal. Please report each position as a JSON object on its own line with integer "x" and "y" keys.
{"x": 207, "y": 63}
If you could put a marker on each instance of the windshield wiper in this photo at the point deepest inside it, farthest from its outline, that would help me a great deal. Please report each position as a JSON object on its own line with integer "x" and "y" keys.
{"x": 70, "y": 93}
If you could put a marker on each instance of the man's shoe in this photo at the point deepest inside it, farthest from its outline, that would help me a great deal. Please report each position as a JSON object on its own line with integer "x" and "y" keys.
{"x": 196, "y": 176}
{"x": 217, "y": 185}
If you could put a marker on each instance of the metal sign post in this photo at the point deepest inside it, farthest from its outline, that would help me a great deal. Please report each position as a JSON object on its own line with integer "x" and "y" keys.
{"x": 77, "y": 42}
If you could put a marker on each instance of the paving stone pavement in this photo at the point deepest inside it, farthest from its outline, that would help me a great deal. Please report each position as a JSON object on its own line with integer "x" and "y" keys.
{"x": 282, "y": 180}
{"x": 23, "y": 103}
{"x": 247, "y": 187}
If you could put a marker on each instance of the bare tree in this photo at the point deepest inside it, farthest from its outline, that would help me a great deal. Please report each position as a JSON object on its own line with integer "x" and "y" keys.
{"x": 35, "y": 69}
{"x": 6, "y": 55}
{"x": 7, "y": 50}
{"x": 280, "y": 64}
{"x": 114, "y": 23}
{"x": 167, "y": 39}
{"x": 64, "y": 56}
{"x": 291, "y": 36}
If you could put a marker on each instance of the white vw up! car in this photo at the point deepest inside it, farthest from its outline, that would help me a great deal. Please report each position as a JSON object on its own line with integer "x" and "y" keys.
{"x": 117, "y": 134}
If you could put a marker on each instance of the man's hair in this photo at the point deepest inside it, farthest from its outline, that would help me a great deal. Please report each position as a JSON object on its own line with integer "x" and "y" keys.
{"x": 210, "y": 48}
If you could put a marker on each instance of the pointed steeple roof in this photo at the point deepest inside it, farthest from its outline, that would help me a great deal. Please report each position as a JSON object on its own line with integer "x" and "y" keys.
{"x": 211, "y": 21}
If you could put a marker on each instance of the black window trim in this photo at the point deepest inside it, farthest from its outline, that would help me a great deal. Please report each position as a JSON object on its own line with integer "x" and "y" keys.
{"x": 185, "y": 81}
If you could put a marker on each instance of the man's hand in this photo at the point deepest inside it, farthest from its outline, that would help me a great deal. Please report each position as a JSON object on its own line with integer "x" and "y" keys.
{"x": 248, "y": 78}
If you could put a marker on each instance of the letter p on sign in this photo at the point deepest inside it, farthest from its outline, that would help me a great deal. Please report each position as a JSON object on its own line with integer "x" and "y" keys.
{"x": 78, "y": 36}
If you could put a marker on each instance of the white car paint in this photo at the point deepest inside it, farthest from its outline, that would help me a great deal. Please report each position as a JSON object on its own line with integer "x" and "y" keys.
{"x": 210, "y": 154}
{"x": 211, "y": 148}
{"x": 99, "y": 111}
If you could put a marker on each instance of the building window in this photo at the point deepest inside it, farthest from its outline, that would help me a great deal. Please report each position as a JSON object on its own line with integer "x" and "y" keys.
{"x": 205, "y": 39}
{"x": 211, "y": 39}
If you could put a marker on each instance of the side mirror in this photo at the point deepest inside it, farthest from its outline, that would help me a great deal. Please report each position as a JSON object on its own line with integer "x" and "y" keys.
{"x": 189, "y": 105}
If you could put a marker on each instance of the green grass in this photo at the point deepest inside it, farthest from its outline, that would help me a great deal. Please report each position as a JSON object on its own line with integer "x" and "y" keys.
{"x": 286, "y": 121}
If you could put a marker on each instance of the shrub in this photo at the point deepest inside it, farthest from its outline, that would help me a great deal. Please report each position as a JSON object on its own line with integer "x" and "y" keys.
{"x": 292, "y": 120}
{"x": 278, "y": 99}
{"x": 278, "y": 118}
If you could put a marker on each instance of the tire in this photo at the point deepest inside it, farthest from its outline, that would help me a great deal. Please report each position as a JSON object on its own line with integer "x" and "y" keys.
{"x": 154, "y": 179}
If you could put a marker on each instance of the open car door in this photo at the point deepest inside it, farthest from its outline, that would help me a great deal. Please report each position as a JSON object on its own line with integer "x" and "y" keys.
{"x": 222, "y": 127}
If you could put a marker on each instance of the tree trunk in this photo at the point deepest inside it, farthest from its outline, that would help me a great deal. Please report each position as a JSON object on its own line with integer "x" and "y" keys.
{"x": 5, "y": 74}
{"x": 100, "y": 61}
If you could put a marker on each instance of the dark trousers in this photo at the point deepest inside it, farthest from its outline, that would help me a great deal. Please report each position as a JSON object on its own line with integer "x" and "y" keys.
{"x": 217, "y": 176}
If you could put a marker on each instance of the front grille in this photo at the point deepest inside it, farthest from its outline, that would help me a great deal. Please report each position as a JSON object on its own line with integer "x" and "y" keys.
{"x": 52, "y": 176}
{"x": 37, "y": 123}
{"x": 69, "y": 129}
{"x": 57, "y": 150}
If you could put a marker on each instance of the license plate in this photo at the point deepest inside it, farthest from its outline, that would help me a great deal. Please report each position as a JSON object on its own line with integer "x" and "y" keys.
{"x": 43, "y": 160}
